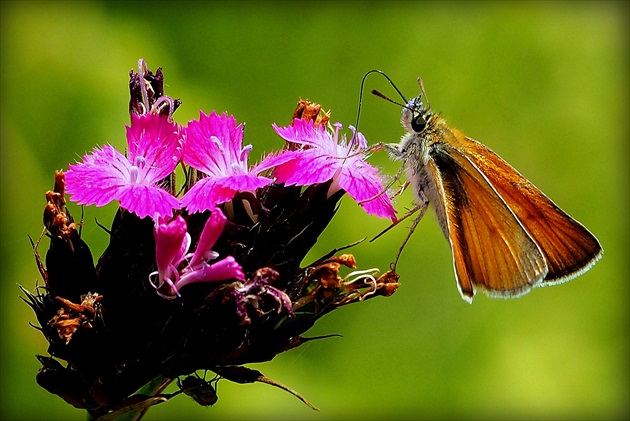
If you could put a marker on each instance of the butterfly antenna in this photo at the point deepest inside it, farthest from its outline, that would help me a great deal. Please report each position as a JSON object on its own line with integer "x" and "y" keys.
{"x": 361, "y": 96}
{"x": 386, "y": 98}
{"x": 424, "y": 93}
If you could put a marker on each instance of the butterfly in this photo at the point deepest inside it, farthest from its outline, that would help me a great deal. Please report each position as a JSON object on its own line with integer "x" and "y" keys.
{"x": 506, "y": 236}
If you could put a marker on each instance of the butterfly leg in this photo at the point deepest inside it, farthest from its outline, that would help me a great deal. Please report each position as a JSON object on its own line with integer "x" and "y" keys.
{"x": 398, "y": 221}
{"x": 391, "y": 148}
{"x": 421, "y": 209}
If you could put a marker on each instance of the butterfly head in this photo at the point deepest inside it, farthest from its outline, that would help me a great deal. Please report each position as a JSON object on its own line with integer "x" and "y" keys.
{"x": 416, "y": 115}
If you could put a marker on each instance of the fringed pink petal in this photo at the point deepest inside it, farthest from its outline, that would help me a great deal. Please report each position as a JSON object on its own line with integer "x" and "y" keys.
{"x": 362, "y": 182}
{"x": 155, "y": 146}
{"x": 209, "y": 192}
{"x": 206, "y": 194}
{"x": 147, "y": 200}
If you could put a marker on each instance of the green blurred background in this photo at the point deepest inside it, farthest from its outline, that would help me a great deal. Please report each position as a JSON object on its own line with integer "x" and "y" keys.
{"x": 544, "y": 84}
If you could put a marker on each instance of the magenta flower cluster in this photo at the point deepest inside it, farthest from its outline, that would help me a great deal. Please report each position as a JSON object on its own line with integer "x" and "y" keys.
{"x": 213, "y": 145}
{"x": 204, "y": 269}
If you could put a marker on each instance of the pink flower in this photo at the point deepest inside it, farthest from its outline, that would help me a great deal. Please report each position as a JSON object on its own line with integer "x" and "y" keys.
{"x": 208, "y": 238}
{"x": 322, "y": 156}
{"x": 171, "y": 245}
{"x": 214, "y": 146}
{"x": 154, "y": 149}
{"x": 171, "y": 249}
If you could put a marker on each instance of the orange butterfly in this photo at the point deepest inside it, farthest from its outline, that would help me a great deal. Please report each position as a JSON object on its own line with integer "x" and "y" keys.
{"x": 506, "y": 236}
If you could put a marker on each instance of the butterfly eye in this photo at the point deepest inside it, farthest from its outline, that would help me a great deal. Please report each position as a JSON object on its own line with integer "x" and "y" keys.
{"x": 418, "y": 123}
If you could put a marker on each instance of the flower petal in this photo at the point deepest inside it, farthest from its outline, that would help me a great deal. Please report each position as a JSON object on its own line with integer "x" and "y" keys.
{"x": 362, "y": 182}
{"x": 209, "y": 236}
{"x": 273, "y": 160}
{"x": 307, "y": 167}
{"x": 222, "y": 270}
{"x": 206, "y": 194}
{"x": 98, "y": 179}
{"x": 303, "y": 132}
{"x": 155, "y": 146}
{"x": 147, "y": 200}
{"x": 214, "y": 145}
{"x": 171, "y": 245}
{"x": 209, "y": 192}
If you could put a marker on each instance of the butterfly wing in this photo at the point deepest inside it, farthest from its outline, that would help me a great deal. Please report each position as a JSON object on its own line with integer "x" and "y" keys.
{"x": 568, "y": 247}
{"x": 491, "y": 249}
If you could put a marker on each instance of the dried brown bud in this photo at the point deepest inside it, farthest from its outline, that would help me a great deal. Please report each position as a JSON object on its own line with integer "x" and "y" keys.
{"x": 56, "y": 218}
{"x": 387, "y": 283}
{"x": 71, "y": 316}
{"x": 307, "y": 110}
